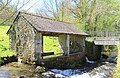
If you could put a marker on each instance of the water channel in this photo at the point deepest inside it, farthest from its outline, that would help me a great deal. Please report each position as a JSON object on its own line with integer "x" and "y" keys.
{"x": 91, "y": 70}
{"x": 101, "y": 69}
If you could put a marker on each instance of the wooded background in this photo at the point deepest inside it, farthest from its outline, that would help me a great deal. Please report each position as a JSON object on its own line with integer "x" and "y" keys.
{"x": 87, "y": 15}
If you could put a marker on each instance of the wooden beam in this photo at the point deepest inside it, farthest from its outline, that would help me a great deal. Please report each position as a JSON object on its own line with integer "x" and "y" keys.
{"x": 47, "y": 53}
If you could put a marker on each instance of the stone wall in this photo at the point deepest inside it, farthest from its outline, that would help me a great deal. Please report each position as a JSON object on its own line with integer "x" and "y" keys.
{"x": 77, "y": 43}
{"x": 65, "y": 62}
{"x": 93, "y": 52}
{"x": 22, "y": 39}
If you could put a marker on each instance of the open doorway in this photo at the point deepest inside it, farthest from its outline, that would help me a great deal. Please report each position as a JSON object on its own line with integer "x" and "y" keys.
{"x": 51, "y": 46}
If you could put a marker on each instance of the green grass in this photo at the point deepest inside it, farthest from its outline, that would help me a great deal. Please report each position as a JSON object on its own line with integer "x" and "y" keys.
{"x": 4, "y": 42}
{"x": 117, "y": 73}
{"x": 50, "y": 44}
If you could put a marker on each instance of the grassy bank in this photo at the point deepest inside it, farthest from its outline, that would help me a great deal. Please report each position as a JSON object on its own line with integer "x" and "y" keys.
{"x": 6, "y": 55}
{"x": 4, "y": 42}
{"x": 117, "y": 73}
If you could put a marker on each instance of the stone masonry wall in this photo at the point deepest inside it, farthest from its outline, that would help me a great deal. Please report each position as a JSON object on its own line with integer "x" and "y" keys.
{"x": 77, "y": 43}
{"x": 65, "y": 62}
{"x": 22, "y": 39}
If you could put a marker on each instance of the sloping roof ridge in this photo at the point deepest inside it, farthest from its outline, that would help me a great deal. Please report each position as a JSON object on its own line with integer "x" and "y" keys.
{"x": 37, "y": 15}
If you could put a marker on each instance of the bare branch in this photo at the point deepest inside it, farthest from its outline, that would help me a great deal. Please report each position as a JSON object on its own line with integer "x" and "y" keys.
{"x": 14, "y": 13}
{"x": 31, "y": 6}
{"x": 5, "y": 4}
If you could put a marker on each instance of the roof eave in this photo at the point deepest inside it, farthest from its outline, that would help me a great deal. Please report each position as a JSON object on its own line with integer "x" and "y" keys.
{"x": 84, "y": 34}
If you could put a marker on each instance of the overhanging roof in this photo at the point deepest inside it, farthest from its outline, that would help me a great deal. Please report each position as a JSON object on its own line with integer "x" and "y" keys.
{"x": 49, "y": 25}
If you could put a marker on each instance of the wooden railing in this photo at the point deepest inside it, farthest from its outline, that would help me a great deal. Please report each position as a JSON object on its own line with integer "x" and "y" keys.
{"x": 104, "y": 33}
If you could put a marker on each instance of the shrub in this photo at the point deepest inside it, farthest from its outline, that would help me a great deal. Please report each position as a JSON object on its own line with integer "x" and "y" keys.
{"x": 4, "y": 42}
{"x": 5, "y": 54}
{"x": 117, "y": 73}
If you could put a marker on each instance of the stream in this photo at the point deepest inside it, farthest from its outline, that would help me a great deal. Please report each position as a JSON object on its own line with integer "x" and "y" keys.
{"x": 102, "y": 69}
{"x": 91, "y": 70}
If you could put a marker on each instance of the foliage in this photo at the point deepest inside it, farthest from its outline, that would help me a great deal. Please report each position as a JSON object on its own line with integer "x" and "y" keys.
{"x": 7, "y": 53}
{"x": 4, "y": 42}
{"x": 117, "y": 73}
{"x": 87, "y": 15}
{"x": 96, "y": 14}
{"x": 9, "y": 9}
{"x": 6, "y": 13}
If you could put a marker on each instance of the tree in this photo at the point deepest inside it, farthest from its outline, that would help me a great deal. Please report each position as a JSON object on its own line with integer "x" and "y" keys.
{"x": 94, "y": 15}
{"x": 56, "y": 9}
{"x": 8, "y": 11}
{"x": 87, "y": 15}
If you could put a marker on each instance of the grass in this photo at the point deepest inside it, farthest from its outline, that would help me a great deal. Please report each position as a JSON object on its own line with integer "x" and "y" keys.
{"x": 117, "y": 73}
{"x": 4, "y": 42}
{"x": 51, "y": 44}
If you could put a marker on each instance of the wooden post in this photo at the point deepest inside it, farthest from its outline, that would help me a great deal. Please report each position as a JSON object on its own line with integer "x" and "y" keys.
{"x": 38, "y": 47}
{"x": 67, "y": 44}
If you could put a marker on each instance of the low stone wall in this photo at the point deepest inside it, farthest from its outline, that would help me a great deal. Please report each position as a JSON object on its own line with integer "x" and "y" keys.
{"x": 65, "y": 62}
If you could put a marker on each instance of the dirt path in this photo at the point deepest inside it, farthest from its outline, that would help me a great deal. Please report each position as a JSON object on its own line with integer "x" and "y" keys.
{"x": 16, "y": 70}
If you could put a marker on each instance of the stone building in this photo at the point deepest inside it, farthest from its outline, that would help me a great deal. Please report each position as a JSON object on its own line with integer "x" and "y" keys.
{"x": 26, "y": 37}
